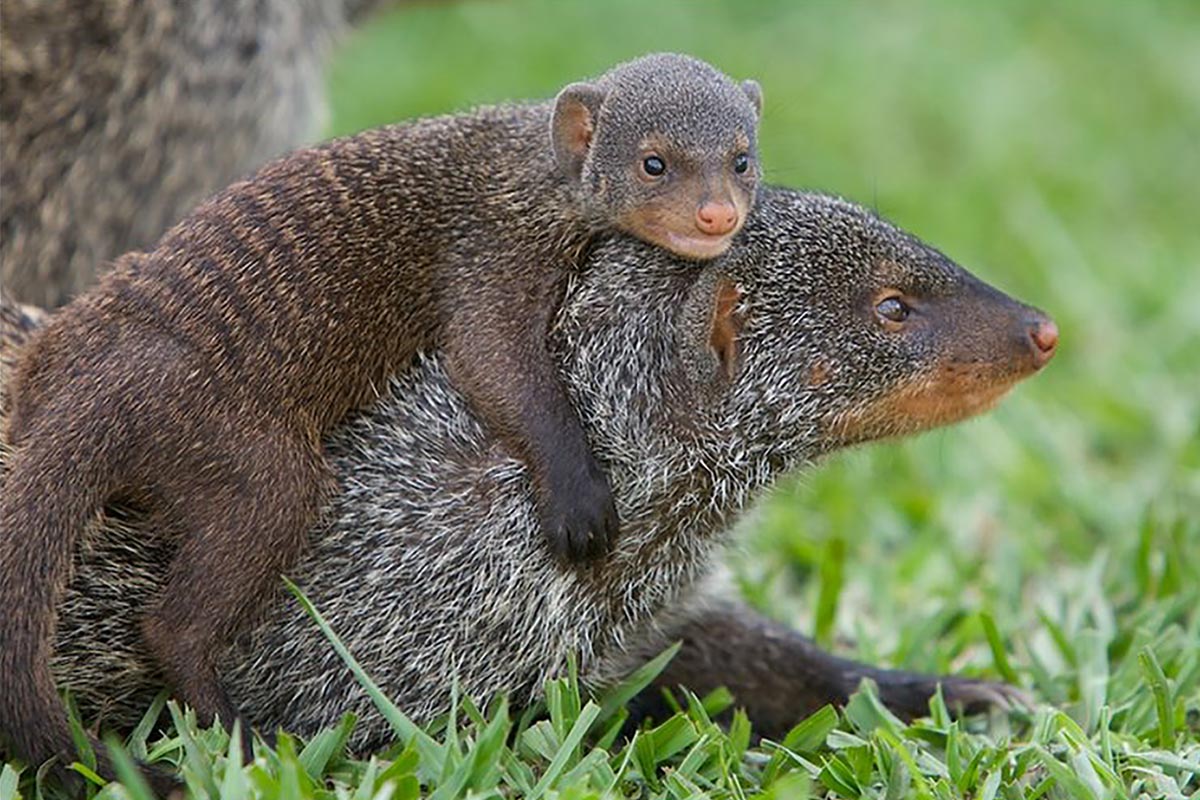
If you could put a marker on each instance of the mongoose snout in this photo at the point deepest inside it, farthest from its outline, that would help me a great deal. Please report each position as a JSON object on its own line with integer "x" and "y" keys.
{"x": 984, "y": 343}
{"x": 717, "y": 219}
{"x": 698, "y": 225}
{"x": 1044, "y": 335}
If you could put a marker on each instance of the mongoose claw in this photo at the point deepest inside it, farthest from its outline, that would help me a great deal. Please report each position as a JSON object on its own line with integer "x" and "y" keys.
{"x": 578, "y": 514}
{"x": 966, "y": 696}
{"x": 907, "y": 694}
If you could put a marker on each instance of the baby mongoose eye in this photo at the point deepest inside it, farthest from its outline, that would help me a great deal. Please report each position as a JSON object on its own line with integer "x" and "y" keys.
{"x": 654, "y": 166}
{"x": 741, "y": 163}
{"x": 892, "y": 309}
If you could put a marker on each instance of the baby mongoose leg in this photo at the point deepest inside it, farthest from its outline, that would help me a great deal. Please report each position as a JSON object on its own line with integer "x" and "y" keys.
{"x": 779, "y": 677}
{"x": 514, "y": 384}
{"x": 241, "y": 530}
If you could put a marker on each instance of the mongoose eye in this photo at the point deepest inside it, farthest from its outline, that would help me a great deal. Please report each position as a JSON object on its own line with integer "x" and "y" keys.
{"x": 741, "y": 163}
{"x": 893, "y": 309}
{"x": 653, "y": 166}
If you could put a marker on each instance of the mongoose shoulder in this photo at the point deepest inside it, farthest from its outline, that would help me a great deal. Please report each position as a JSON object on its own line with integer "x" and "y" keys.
{"x": 198, "y": 379}
{"x": 151, "y": 105}
{"x": 824, "y": 326}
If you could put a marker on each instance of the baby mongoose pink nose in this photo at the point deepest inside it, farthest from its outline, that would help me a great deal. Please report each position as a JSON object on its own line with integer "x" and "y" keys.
{"x": 716, "y": 219}
{"x": 1044, "y": 334}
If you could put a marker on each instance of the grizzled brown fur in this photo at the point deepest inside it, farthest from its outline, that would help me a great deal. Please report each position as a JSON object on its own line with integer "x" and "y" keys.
{"x": 197, "y": 381}
{"x": 699, "y": 389}
{"x": 118, "y": 116}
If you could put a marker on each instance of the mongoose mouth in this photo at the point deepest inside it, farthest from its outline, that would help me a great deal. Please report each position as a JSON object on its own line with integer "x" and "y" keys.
{"x": 698, "y": 246}
{"x": 698, "y": 236}
{"x": 951, "y": 392}
{"x": 937, "y": 400}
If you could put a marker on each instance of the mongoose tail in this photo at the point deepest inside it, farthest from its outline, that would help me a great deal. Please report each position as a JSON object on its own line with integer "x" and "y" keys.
{"x": 32, "y": 579}
{"x": 31, "y": 714}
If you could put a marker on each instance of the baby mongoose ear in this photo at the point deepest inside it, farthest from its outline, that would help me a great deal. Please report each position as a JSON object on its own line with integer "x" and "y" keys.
{"x": 573, "y": 123}
{"x": 727, "y": 321}
{"x": 754, "y": 92}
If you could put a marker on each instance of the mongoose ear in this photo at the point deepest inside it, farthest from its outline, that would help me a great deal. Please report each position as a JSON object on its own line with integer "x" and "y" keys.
{"x": 573, "y": 123}
{"x": 727, "y": 321}
{"x": 754, "y": 92}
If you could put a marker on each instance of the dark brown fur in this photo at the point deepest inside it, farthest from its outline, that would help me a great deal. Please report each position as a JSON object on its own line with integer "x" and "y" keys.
{"x": 779, "y": 677}
{"x": 197, "y": 381}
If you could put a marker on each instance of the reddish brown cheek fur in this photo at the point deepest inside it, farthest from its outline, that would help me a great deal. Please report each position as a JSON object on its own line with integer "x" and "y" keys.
{"x": 949, "y": 393}
{"x": 651, "y": 221}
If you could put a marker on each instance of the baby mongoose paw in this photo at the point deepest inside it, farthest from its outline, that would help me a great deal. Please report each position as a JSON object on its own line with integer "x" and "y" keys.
{"x": 578, "y": 514}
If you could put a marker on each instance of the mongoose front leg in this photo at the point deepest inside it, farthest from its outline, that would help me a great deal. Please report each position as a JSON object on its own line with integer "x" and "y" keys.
{"x": 244, "y": 516}
{"x": 779, "y": 677}
{"x": 500, "y": 362}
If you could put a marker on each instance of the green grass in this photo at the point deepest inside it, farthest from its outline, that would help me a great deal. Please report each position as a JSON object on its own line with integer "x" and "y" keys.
{"x": 1054, "y": 149}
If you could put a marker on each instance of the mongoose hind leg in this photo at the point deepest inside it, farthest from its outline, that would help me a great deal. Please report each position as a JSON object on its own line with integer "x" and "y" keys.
{"x": 240, "y": 531}
{"x": 780, "y": 677}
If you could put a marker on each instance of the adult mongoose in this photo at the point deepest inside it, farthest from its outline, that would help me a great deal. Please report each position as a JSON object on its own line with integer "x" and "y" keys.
{"x": 197, "y": 380}
{"x": 823, "y": 327}
{"x": 118, "y": 116}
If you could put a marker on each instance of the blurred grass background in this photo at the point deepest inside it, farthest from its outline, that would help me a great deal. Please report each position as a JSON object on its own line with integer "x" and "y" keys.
{"x": 1052, "y": 148}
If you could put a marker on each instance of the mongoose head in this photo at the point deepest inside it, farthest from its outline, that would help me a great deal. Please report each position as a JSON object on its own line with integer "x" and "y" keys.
{"x": 823, "y": 326}
{"x": 844, "y": 328}
{"x": 663, "y": 148}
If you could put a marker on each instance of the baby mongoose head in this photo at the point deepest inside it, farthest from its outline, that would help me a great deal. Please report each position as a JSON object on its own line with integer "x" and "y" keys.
{"x": 663, "y": 148}
{"x": 826, "y": 326}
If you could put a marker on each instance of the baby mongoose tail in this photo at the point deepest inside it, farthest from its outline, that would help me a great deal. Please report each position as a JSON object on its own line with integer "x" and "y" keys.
{"x": 72, "y": 459}
{"x": 31, "y": 719}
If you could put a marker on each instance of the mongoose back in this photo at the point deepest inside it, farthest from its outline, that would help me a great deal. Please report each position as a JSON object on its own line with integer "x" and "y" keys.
{"x": 823, "y": 327}
{"x": 198, "y": 379}
{"x": 118, "y": 116}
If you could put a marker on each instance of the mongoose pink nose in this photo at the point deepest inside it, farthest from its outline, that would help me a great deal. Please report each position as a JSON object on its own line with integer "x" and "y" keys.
{"x": 717, "y": 219}
{"x": 1044, "y": 334}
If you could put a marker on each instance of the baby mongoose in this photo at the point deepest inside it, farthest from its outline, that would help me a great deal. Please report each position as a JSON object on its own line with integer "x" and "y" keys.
{"x": 197, "y": 380}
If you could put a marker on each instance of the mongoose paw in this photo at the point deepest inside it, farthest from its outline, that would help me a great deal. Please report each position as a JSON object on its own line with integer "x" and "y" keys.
{"x": 967, "y": 696}
{"x": 578, "y": 514}
{"x": 907, "y": 694}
